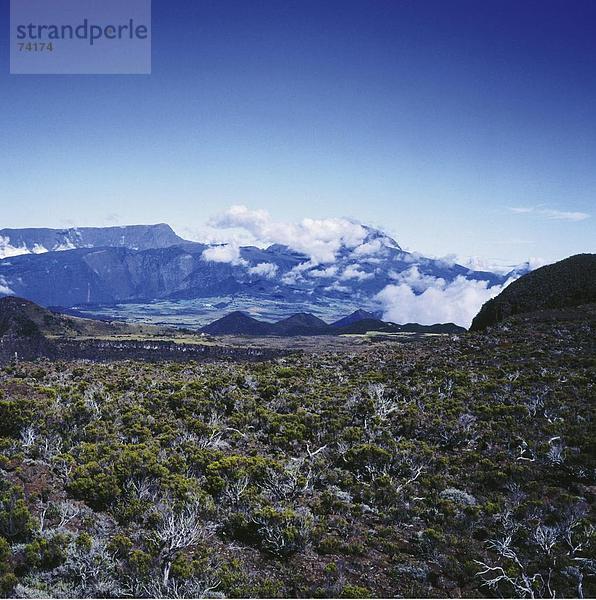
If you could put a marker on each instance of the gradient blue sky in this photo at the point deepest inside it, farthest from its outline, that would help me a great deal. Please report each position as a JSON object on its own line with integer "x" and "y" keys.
{"x": 429, "y": 118}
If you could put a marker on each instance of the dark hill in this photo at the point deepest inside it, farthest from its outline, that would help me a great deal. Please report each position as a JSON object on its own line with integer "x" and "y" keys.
{"x": 21, "y": 334}
{"x": 20, "y": 317}
{"x": 23, "y": 317}
{"x": 366, "y": 325}
{"x": 567, "y": 283}
{"x": 306, "y": 324}
{"x": 436, "y": 328}
{"x": 238, "y": 323}
{"x": 302, "y": 324}
{"x": 363, "y": 326}
{"x": 357, "y": 315}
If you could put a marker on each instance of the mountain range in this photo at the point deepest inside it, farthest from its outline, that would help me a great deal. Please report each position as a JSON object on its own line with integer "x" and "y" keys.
{"x": 359, "y": 322}
{"x": 30, "y": 331}
{"x": 15, "y": 242}
{"x": 144, "y": 263}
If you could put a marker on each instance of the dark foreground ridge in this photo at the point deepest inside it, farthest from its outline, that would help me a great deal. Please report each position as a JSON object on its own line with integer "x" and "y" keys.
{"x": 569, "y": 282}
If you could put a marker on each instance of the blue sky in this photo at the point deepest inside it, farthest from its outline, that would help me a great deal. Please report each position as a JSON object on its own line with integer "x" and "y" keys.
{"x": 430, "y": 119}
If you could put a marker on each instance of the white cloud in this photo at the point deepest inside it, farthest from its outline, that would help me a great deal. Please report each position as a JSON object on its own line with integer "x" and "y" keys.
{"x": 369, "y": 248}
{"x": 264, "y": 269}
{"x": 457, "y": 302}
{"x": 354, "y": 272}
{"x": 320, "y": 239}
{"x": 7, "y": 249}
{"x": 413, "y": 278}
{"x": 370, "y": 260}
{"x": 563, "y": 215}
{"x": 225, "y": 253}
{"x": 477, "y": 263}
{"x": 64, "y": 247}
{"x": 448, "y": 261}
{"x": 411, "y": 257}
{"x": 296, "y": 273}
{"x": 324, "y": 273}
{"x": 535, "y": 262}
{"x": 214, "y": 235}
{"x": 521, "y": 210}
{"x": 337, "y": 287}
{"x": 550, "y": 213}
{"x": 4, "y": 289}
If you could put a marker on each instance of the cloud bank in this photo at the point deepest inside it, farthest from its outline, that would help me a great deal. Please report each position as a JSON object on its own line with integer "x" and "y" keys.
{"x": 225, "y": 253}
{"x": 436, "y": 301}
{"x": 319, "y": 239}
{"x": 355, "y": 272}
{"x": 264, "y": 269}
{"x": 412, "y": 296}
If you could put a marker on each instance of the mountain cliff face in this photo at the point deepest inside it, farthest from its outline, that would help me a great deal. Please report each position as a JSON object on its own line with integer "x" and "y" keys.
{"x": 145, "y": 263}
{"x": 567, "y": 283}
{"x": 14, "y": 242}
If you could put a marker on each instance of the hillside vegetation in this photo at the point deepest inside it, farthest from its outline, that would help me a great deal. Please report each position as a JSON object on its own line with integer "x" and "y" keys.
{"x": 22, "y": 317}
{"x": 459, "y": 466}
{"x": 569, "y": 282}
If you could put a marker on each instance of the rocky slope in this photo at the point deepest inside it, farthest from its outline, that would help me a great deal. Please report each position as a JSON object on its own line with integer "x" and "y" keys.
{"x": 569, "y": 282}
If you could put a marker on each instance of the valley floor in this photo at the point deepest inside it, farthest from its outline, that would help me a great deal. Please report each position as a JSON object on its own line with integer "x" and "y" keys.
{"x": 196, "y": 313}
{"x": 455, "y": 466}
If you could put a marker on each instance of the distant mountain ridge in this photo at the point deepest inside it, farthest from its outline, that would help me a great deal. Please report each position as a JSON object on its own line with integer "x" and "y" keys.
{"x": 139, "y": 264}
{"x": 567, "y": 283}
{"x": 15, "y": 242}
{"x": 305, "y": 324}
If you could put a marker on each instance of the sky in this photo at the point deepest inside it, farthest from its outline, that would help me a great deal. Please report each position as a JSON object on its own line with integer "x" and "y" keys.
{"x": 459, "y": 127}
